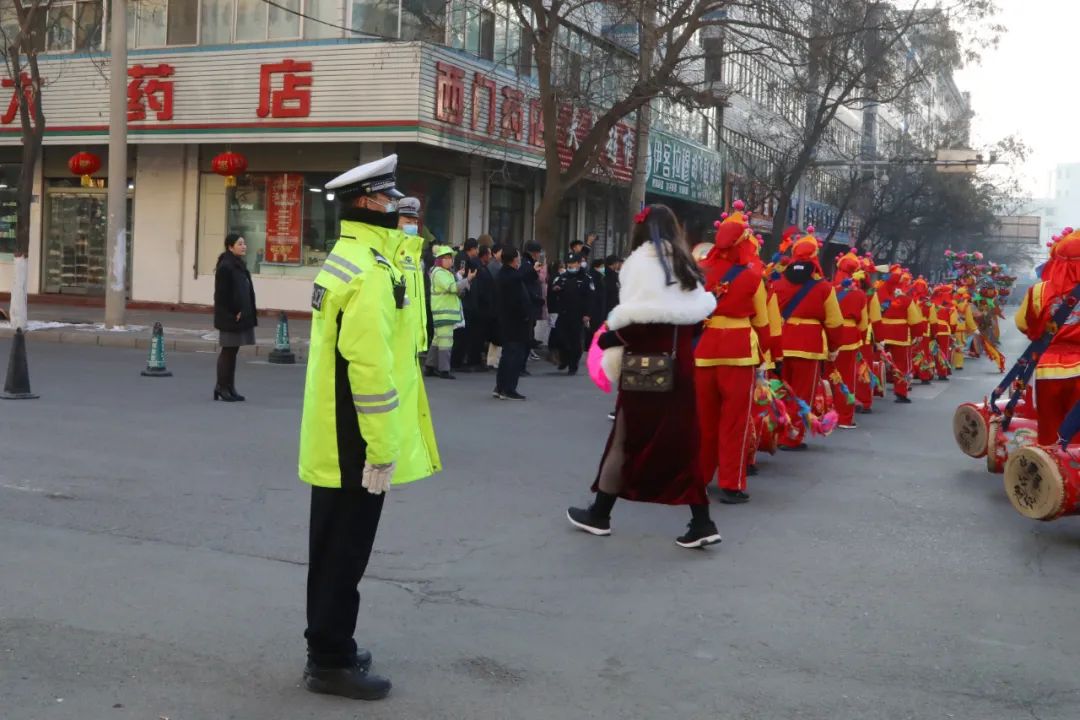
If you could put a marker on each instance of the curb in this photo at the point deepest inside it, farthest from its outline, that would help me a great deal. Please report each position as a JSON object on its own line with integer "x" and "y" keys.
{"x": 142, "y": 342}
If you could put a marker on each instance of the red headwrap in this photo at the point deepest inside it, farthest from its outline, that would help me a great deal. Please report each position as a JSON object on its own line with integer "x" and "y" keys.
{"x": 1062, "y": 271}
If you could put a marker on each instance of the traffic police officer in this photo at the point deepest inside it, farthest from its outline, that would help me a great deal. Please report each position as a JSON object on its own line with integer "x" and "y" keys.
{"x": 365, "y": 421}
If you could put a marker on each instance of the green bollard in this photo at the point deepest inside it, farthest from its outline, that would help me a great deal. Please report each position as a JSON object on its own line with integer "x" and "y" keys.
{"x": 155, "y": 364}
{"x": 282, "y": 353}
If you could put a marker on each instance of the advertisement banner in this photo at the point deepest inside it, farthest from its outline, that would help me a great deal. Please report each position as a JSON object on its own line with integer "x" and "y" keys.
{"x": 284, "y": 219}
{"x": 681, "y": 169}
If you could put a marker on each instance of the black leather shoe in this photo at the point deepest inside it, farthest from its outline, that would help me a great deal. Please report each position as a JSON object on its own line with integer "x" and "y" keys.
{"x": 903, "y": 400}
{"x": 733, "y": 497}
{"x": 224, "y": 394}
{"x": 351, "y": 682}
{"x": 363, "y": 659}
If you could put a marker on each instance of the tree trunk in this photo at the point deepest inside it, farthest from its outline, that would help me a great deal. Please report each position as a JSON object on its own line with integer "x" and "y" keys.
{"x": 647, "y": 50}
{"x": 545, "y": 222}
{"x": 25, "y": 198}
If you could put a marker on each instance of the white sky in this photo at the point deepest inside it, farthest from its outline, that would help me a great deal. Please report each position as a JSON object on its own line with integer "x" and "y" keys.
{"x": 1028, "y": 85}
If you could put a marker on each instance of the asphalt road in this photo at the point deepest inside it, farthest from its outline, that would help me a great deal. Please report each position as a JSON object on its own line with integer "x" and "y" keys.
{"x": 152, "y": 548}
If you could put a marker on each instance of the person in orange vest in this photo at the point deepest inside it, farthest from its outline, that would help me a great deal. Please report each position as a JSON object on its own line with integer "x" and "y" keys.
{"x": 812, "y": 326}
{"x": 902, "y": 323}
{"x": 843, "y": 372}
{"x": 1057, "y": 373}
{"x": 727, "y": 355}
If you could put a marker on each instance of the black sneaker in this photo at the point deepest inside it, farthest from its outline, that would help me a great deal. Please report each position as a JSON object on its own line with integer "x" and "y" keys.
{"x": 611, "y": 416}
{"x": 351, "y": 682}
{"x": 497, "y": 394}
{"x": 513, "y": 396}
{"x": 903, "y": 400}
{"x": 700, "y": 535}
{"x": 793, "y": 448}
{"x": 733, "y": 497}
{"x": 447, "y": 376}
{"x": 583, "y": 519}
{"x": 430, "y": 372}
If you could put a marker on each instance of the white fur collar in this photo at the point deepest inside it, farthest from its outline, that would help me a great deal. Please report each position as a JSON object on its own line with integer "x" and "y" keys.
{"x": 645, "y": 299}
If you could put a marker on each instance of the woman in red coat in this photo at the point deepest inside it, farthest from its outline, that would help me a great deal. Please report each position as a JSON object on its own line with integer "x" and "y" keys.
{"x": 652, "y": 452}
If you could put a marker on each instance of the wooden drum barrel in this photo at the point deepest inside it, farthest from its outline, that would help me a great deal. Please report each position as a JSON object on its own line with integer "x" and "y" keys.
{"x": 971, "y": 429}
{"x": 971, "y": 425}
{"x": 1023, "y": 432}
{"x": 1043, "y": 483}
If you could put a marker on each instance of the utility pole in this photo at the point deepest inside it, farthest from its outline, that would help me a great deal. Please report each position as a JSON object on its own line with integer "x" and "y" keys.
{"x": 646, "y": 53}
{"x": 116, "y": 240}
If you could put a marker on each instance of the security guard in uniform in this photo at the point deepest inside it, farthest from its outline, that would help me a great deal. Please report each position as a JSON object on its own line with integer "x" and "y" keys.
{"x": 365, "y": 421}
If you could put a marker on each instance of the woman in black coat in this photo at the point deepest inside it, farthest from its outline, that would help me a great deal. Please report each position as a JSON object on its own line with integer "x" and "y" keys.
{"x": 234, "y": 314}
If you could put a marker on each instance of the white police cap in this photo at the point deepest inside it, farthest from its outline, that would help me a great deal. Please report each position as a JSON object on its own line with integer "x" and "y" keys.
{"x": 379, "y": 176}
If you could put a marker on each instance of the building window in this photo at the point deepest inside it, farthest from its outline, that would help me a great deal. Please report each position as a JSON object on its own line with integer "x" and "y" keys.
{"x": 506, "y": 217}
{"x": 423, "y": 20}
{"x": 73, "y": 26}
{"x": 216, "y": 22}
{"x": 375, "y": 17}
{"x": 157, "y": 23}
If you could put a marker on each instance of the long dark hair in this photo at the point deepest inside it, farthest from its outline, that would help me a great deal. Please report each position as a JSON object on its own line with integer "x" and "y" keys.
{"x": 660, "y": 225}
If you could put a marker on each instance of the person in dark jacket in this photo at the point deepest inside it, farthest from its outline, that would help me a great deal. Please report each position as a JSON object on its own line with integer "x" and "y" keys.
{"x": 515, "y": 325}
{"x": 571, "y": 297}
{"x": 234, "y": 314}
{"x": 482, "y": 297}
{"x": 611, "y": 282}
{"x": 598, "y": 309}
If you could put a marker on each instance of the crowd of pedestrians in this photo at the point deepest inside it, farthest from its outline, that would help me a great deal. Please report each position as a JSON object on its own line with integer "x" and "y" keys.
{"x": 495, "y": 308}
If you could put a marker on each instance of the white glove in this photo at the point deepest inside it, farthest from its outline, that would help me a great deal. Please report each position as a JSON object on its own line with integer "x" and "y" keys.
{"x": 377, "y": 478}
{"x": 833, "y": 355}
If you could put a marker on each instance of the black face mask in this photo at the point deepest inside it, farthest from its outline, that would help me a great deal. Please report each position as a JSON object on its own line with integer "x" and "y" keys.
{"x": 371, "y": 217}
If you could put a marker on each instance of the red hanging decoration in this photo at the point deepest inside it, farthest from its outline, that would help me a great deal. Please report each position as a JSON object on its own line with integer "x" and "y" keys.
{"x": 84, "y": 164}
{"x": 229, "y": 164}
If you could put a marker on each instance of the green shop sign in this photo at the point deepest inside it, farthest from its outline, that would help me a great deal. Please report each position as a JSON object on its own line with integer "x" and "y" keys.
{"x": 684, "y": 170}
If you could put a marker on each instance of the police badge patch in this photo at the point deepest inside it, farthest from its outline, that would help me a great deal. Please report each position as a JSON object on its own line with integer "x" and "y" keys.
{"x": 317, "y": 296}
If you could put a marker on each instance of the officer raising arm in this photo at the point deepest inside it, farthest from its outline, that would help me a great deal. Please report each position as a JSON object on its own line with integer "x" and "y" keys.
{"x": 351, "y": 436}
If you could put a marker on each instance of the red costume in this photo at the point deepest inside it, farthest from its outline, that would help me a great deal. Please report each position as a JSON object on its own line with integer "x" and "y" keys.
{"x": 901, "y": 324}
{"x": 1057, "y": 374}
{"x": 812, "y": 325}
{"x": 944, "y": 324}
{"x": 731, "y": 347}
{"x": 923, "y": 357}
{"x": 843, "y": 371}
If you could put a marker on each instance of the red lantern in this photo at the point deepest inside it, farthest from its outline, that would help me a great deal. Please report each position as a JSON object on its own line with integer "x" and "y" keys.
{"x": 229, "y": 164}
{"x": 84, "y": 164}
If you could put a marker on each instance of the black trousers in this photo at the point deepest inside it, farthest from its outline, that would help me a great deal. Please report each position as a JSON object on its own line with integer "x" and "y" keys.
{"x": 460, "y": 348}
{"x": 478, "y": 330}
{"x": 570, "y": 336}
{"x": 343, "y": 526}
{"x": 514, "y": 355}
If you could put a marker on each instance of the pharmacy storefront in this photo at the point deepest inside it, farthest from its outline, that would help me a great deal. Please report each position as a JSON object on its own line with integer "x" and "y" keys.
{"x": 284, "y": 119}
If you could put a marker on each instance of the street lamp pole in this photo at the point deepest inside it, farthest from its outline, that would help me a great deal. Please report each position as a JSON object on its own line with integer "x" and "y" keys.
{"x": 116, "y": 239}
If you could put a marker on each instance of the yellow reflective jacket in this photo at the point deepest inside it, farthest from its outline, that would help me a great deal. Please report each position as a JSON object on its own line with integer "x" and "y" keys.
{"x": 363, "y": 393}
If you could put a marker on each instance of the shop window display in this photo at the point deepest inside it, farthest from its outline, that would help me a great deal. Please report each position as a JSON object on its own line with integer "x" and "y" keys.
{"x": 9, "y": 180}
{"x": 289, "y": 222}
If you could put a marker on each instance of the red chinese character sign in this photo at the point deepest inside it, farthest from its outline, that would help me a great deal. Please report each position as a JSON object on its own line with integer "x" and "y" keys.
{"x": 449, "y": 94}
{"x": 509, "y": 118}
{"x": 283, "y": 91}
{"x": 150, "y": 88}
{"x": 284, "y": 219}
{"x": 27, "y": 87}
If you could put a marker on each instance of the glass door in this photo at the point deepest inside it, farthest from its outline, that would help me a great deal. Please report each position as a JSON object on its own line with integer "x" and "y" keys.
{"x": 75, "y": 234}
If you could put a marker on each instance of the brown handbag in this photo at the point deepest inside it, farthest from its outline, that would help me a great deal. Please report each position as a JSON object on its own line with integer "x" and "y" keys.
{"x": 649, "y": 373}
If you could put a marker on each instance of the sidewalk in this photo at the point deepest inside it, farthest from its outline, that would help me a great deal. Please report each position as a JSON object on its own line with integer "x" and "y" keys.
{"x": 184, "y": 331}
